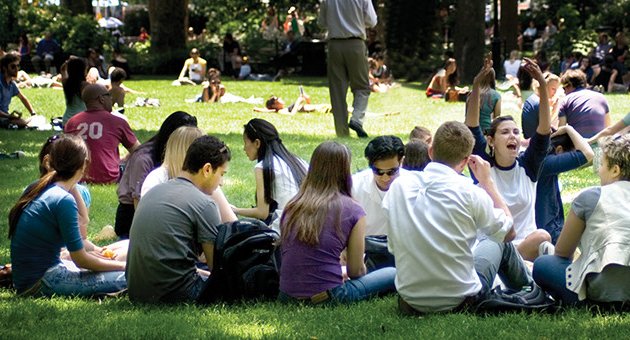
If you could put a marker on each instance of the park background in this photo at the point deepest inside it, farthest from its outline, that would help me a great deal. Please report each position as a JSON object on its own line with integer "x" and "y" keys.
{"x": 118, "y": 318}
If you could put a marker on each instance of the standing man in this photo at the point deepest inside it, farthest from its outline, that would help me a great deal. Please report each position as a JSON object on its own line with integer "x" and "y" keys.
{"x": 9, "y": 66}
{"x": 346, "y": 21}
{"x": 102, "y": 131}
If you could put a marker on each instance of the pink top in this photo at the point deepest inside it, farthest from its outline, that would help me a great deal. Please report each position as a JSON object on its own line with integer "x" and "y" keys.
{"x": 102, "y": 132}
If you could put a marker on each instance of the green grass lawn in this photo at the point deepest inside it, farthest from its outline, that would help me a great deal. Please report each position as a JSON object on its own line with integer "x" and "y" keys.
{"x": 118, "y": 318}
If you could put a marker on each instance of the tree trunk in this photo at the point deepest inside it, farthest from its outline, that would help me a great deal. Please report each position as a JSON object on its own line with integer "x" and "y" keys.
{"x": 509, "y": 24}
{"x": 78, "y": 6}
{"x": 468, "y": 38}
{"x": 169, "y": 21}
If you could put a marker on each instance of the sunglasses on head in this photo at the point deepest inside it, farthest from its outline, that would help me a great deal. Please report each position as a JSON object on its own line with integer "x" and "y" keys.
{"x": 52, "y": 138}
{"x": 388, "y": 172}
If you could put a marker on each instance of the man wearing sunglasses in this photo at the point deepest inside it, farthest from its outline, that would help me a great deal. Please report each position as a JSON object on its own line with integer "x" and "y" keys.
{"x": 9, "y": 66}
{"x": 384, "y": 155}
{"x": 102, "y": 131}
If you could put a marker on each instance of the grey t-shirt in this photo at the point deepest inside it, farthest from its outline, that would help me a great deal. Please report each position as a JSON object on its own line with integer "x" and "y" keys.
{"x": 612, "y": 283}
{"x": 168, "y": 222}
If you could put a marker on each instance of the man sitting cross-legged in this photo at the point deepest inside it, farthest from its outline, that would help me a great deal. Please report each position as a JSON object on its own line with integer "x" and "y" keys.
{"x": 169, "y": 223}
{"x": 435, "y": 217}
{"x": 384, "y": 155}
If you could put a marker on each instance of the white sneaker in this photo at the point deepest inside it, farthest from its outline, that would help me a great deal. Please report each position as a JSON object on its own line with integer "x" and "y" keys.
{"x": 546, "y": 248}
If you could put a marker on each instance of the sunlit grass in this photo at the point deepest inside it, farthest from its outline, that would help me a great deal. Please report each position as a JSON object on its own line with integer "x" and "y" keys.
{"x": 118, "y": 318}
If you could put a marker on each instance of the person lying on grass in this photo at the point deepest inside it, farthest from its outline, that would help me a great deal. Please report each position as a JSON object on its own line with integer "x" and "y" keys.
{"x": 44, "y": 220}
{"x": 317, "y": 225}
{"x": 301, "y": 104}
{"x": 515, "y": 173}
{"x": 171, "y": 221}
{"x": 598, "y": 223}
{"x": 278, "y": 172}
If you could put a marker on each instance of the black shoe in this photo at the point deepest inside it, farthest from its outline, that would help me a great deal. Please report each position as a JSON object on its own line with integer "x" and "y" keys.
{"x": 358, "y": 129}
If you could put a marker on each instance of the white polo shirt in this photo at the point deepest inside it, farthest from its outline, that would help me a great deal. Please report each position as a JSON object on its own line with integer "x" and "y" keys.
{"x": 437, "y": 214}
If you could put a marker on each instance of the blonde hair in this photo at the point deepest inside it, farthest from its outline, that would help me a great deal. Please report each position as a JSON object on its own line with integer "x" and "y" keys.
{"x": 176, "y": 148}
{"x": 549, "y": 77}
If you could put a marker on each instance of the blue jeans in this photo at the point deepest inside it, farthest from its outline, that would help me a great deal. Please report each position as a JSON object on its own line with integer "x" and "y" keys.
{"x": 550, "y": 275}
{"x": 494, "y": 258}
{"x": 377, "y": 282}
{"x": 68, "y": 281}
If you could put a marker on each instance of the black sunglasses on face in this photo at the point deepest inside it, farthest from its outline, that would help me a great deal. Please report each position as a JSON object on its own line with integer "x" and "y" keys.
{"x": 388, "y": 172}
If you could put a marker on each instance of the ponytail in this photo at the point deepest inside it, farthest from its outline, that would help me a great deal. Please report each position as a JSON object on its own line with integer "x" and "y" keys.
{"x": 27, "y": 197}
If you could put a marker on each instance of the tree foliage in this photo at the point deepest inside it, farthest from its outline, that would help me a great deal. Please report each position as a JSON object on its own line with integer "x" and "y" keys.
{"x": 412, "y": 37}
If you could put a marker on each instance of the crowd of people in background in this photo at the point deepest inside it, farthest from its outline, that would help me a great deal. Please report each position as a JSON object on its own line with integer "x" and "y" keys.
{"x": 444, "y": 237}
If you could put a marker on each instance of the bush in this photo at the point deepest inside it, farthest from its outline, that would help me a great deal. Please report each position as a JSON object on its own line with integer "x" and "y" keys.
{"x": 75, "y": 34}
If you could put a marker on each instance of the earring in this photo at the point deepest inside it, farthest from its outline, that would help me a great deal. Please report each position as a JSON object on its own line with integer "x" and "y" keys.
{"x": 491, "y": 152}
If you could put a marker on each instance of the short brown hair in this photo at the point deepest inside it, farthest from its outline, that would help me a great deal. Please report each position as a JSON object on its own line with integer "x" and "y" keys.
{"x": 452, "y": 142}
{"x": 617, "y": 152}
{"x": 575, "y": 78}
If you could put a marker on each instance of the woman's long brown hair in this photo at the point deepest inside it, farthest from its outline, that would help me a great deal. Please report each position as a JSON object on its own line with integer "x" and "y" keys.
{"x": 327, "y": 180}
{"x": 68, "y": 155}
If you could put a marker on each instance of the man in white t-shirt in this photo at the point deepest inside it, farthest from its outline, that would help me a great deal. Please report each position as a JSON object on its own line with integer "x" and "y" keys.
{"x": 435, "y": 217}
{"x": 384, "y": 155}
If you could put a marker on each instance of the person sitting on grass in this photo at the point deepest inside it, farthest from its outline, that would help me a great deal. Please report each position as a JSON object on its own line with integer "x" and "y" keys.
{"x": 422, "y": 134}
{"x": 9, "y": 65}
{"x": 597, "y": 223}
{"x": 213, "y": 90}
{"x": 515, "y": 173}
{"x": 434, "y": 217}
{"x": 195, "y": 66}
{"x": 73, "y": 78}
{"x": 83, "y": 198}
{"x": 530, "y": 111}
{"x": 278, "y": 172}
{"x": 301, "y": 104}
{"x": 490, "y": 100}
{"x": 384, "y": 155}
{"x": 44, "y": 220}
{"x": 103, "y": 131}
{"x": 444, "y": 79}
{"x": 143, "y": 160}
{"x": 416, "y": 156}
{"x": 568, "y": 151}
{"x": 317, "y": 225}
{"x": 174, "y": 154}
{"x": 116, "y": 78}
{"x": 160, "y": 267}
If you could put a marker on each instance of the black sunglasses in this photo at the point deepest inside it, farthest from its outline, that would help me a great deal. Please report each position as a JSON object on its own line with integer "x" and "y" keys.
{"x": 388, "y": 172}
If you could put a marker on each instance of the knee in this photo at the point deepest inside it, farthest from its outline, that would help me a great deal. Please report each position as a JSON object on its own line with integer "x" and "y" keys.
{"x": 543, "y": 266}
{"x": 539, "y": 236}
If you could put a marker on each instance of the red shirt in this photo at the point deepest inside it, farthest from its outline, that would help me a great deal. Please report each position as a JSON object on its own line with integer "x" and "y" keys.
{"x": 102, "y": 132}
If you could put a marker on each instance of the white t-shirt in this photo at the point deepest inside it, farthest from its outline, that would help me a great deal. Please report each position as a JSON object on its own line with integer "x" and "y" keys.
{"x": 519, "y": 193}
{"x": 365, "y": 191}
{"x": 434, "y": 219}
{"x": 284, "y": 184}
{"x": 511, "y": 68}
{"x": 157, "y": 176}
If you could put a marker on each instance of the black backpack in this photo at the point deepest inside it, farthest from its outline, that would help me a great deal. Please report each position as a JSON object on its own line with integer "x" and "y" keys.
{"x": 530, "y": 299}
{"x": 246, "y": 263}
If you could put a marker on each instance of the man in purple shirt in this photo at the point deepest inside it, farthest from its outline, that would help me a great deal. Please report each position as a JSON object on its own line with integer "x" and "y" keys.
{"x": 585, "y": 110}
